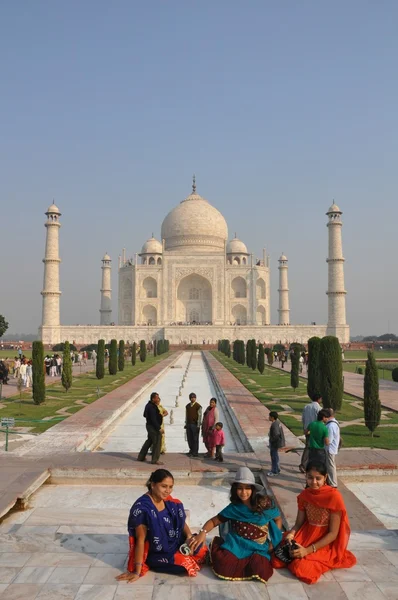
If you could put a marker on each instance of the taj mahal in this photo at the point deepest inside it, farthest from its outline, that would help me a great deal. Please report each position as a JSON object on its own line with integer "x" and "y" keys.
{"x": 194, "y": 285}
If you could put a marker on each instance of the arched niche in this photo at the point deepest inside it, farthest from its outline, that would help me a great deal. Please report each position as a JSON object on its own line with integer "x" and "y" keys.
{"x": 239, "y": 315}
{"x": 159, "y": 261}
{"x": 260, "y": 289}
{"x": 151, "y": 261}
{"x": 149, "y": 315}
{"x": 260, "y": 315}
{"x": 194, "y": 293}
{"x": 127, "y": 289}
{"x": 236, "y": 260}
{"x": 239, "y": 287}
{"x": 150, "y": 287}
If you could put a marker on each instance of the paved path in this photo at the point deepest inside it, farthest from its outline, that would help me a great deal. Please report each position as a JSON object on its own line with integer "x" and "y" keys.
{"x": 11, "y": 388}
{"x": 353, "y": 384}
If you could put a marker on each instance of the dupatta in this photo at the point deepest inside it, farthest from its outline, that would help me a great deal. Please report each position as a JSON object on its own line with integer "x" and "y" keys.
{"x": 243, "y": 547}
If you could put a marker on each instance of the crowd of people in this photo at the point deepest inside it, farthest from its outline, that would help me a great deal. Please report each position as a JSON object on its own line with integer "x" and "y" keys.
{"x": 210, "y": 425}
{"x": 250, "y": 543}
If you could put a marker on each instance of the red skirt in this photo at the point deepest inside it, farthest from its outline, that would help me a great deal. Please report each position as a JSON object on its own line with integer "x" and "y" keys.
{"x": 227, "y": 566}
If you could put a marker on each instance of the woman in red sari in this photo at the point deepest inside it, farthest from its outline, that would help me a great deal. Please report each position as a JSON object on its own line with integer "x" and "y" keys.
{"x": 321, "y": 531}
{"x": 210, "y": 418}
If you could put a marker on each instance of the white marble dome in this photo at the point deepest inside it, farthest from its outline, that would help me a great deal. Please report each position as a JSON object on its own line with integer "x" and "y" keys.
{"x": 236, "y": 246}
{"x": 152, "y": 246}
{"x": 334, "y": 208}
{"x": 53, "y": 209}
{"x": 194, "y": 223}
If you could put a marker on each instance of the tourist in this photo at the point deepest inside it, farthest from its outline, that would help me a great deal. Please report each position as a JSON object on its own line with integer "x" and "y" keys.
{"x": 29, "y": 373}
{"x": 218, "y": 441}
{"x": 283, "y": 360}
{"x": 93, "y": 357}
{"x": 53, "y": 370}
{"x": 157, "y": 529}
{"x": 210, "y": 418}
{"x": 3, "y": 372}
{"x": 193, "y": 420}
{"x": 310, "y": 413}
{"x": 332, "y": 449}
{"x": 22, "y": 372}
{"x": 154, "y": 428}
{"x": 249, "y": 526}
{"x": 276, "y": 441}
{"x": 318, "y": 433}
{"x": 17, "y": 366}
{"x": 164, "y": 414}
{"x": 59, "y": 365}
{"x": 321, "y": 531}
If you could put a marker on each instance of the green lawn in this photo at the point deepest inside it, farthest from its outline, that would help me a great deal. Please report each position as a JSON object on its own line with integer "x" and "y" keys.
{"x": 383, "y": 373}
{"x": 274, "y": 391}
{"x": 14, "y": 353}
{"x": 379, "y": 354}
{"x": 86, "y": 387}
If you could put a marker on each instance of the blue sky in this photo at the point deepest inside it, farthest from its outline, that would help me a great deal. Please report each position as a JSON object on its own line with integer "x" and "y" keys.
{"x": 278, "y": 107}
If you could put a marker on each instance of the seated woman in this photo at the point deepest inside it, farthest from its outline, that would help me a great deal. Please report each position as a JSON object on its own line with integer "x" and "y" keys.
{"x": 321, "y": 531}
{"x": 247, "y": 526}
{"x": 157, "y": 528}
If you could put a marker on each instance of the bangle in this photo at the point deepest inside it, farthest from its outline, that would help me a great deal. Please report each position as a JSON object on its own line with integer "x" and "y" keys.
{"x": 204, "y": 530}
{"x": 313, "y": 548}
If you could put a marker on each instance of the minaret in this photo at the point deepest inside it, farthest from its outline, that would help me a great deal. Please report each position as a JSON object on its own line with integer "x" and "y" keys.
{"x": 106, "y": 291}
{"x": 283, "y": 310}
{"x": 51, "y": 293}
{"x": 336, "y": 292}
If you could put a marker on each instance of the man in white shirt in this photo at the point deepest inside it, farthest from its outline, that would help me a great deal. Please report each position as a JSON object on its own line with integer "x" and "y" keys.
{"x": 310, "y": 413}
{"x": 333, "y": 448}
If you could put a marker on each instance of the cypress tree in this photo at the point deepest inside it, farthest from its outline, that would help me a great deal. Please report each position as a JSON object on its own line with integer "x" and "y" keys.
{"x": 120, "y": 360}
{"x": 160, "y": 347}
{"x": 113, "y": 358}
{"x": 248, "y": 353}
{"x": 331, "y": 367}
{"x": 371, "y": 400}
{"x": 270, "y": 357}
{"x": 294, "y": 373}
{"x": 167, "y": 346}
{"x": 228, "y": 349}
{"x": 133, "y": 353}
{"x": 261, "y": 359}
{"x": 155, "y": 350}
{"x": 38, "y": 374}
{"x": 100, "y": 364}
{"x": 66, "y": 377}
{"x": 314, "y": 372}
{"x": 253, "y": 357}
{"x": 242, "y": 353}
{"x": 142, "y": 351}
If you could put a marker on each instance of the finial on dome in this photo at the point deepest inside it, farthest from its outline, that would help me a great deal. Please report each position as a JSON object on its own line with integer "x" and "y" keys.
{"x": 194, "y": 184}
{"x": 152, "y": 234}
{"x": 236, "y": 235}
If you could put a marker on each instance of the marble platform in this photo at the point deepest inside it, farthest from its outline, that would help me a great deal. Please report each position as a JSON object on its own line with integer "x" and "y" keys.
{"x": 71, "y": 543}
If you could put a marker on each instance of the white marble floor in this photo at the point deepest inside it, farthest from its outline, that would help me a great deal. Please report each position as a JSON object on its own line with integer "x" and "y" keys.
{"x": 72, "y": 541}
{"x": 380, "y": 497}
{"x": 130, "y": 433}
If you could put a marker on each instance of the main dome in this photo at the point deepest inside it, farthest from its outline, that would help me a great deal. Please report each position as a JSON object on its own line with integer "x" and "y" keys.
{"x": 196, "y": 224}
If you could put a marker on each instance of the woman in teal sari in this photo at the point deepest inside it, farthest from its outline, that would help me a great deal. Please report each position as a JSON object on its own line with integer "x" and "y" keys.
{"x": 250, "y": 526}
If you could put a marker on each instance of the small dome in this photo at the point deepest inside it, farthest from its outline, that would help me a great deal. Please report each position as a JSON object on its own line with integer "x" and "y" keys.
{"x": 334, "y": 209}
{"x": 53, "y": 209}
{"x": 152, "y": 246}
{"x": 106, "y": 256}
{"x": 194, "y": 223}
{"x": 236, "y": 246}
{"x": 283, "y": 257}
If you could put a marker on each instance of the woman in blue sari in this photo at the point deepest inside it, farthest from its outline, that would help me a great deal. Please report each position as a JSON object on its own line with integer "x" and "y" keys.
{"x": 250, "y": 526}
{"x": 157, "y": 529}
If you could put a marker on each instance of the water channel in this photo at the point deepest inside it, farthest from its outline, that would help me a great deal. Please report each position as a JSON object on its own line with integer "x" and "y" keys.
{"x": 129, "y": 433}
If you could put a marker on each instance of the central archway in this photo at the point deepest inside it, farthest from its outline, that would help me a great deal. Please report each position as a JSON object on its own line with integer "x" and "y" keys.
{"x": 194, "y": 300}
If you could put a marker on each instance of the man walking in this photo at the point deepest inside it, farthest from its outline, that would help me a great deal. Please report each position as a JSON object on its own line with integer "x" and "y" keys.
{"x": 154, "y": 429}
{"x": 310, "y": 413}
{"x": 193, "y": 420}
{"x": 276, "y": 441}
{"x": 332, "y": 449}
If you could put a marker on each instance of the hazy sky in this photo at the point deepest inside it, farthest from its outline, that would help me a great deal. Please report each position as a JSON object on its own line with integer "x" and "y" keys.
{"x": 278, "y": 107}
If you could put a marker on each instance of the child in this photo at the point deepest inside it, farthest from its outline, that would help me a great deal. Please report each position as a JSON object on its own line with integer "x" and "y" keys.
{"x": 276, "y": 441}
{"x": 218, "y": 440}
